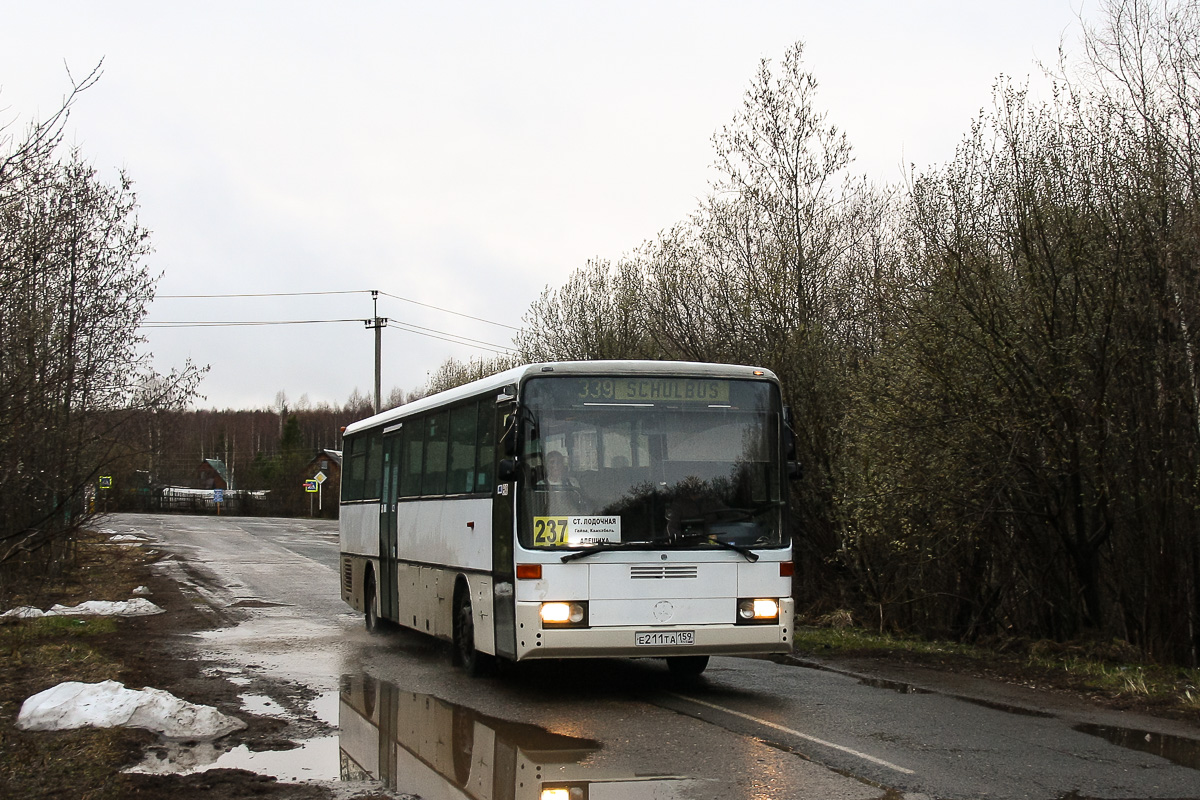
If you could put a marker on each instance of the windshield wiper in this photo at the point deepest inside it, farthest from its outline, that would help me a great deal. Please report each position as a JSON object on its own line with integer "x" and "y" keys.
{"x": 606, "y": 546}
{"x": 676, "y": 541}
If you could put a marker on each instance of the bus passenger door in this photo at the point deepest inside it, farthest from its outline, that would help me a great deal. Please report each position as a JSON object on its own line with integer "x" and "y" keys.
{"x": 388, "y": 590}
{"x": 503, "y": 578}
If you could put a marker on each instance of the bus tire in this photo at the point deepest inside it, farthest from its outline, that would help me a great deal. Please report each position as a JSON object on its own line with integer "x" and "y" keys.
{"x": 371, "y": 611}
{"x": 687, "y": 666}
{"x": 466, "y": 656}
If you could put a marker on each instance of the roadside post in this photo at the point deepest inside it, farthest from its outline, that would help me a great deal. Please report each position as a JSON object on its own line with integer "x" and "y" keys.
{"x": 311, "y": 486}
{"x": 320, "y": 479}
{"x": 105, "y": 485}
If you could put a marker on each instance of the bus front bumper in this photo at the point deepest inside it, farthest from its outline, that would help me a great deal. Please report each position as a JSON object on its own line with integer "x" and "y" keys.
{"x": 535, "y": 640}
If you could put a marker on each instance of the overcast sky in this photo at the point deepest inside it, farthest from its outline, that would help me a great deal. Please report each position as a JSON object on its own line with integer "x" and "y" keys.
{"x": 463, "y": 155}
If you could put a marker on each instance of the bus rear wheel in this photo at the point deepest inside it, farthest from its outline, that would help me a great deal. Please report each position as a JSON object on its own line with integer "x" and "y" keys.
{"x": 687, "y": 666}
{"x": 371, "y": 613}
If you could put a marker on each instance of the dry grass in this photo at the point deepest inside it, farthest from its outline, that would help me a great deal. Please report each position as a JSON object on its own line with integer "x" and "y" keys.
{"x": 38, "y": 654}
{"x": 1110, "y": 672}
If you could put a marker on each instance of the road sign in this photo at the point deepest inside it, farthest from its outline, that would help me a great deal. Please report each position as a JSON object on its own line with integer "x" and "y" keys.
{"x": 311, "y": 486}
{"x": 106, "y": 481}
{"x": 219, "y": 495}
{"x": 320, "y": 477}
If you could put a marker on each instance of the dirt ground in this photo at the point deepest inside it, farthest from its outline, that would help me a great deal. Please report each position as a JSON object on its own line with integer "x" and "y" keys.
{"x": 139, "y": 652}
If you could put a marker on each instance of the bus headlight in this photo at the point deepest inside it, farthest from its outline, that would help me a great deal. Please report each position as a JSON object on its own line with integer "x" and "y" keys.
{"x": 758, "y": 610}
{"x": 564, "y": 614}
{"x": 563, "y": 793}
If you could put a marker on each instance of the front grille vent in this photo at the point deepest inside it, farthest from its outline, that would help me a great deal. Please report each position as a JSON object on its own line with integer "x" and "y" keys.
{"x": 643, "y": 572}
{"x": 347, "y": 574}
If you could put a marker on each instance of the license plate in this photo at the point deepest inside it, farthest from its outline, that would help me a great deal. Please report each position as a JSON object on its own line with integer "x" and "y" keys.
{"x": 661, "y": 638}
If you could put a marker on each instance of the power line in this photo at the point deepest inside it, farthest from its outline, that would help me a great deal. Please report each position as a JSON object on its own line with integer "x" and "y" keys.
{"x": 234, "y": 323}
{"x": 347, "y": 291}
{"x": 448, "y": 311}
{"x": 432, "y": 333}
{"x": 417, "y": 329}
{"x": 255, "y": 294}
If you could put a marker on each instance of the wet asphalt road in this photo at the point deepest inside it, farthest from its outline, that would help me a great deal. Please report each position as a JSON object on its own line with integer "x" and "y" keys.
{"x": 751, "y": 729}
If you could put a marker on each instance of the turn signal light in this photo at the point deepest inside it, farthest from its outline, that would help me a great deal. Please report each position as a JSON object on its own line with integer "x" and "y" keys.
{"x": 529, "y": 572}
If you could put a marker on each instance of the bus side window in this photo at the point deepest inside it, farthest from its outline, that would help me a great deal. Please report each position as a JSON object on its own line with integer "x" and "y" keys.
{"x": 486, "y": 430}
{"x": 437, "y": 439}
{"x": 461, "y": 472}
{"x": 373, "y": 483}
{"x": 412, "y": 458}
{"x": 356, "y": 468}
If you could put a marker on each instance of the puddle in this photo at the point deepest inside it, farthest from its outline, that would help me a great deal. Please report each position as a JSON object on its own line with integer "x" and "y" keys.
{"x": 894, "y": 686}
{"x": 254, "y": 602}
{"x": 310, "y": 760}
{"x": 313, "y": 760}
{"x": 427, "y": 746}
{"x": 263, "y": 706}
{"x": 1176, "y": 749}
{"x": 1006, "y": 708}
{"x": 326, "y": 708}
{"x": 420, "y": 744}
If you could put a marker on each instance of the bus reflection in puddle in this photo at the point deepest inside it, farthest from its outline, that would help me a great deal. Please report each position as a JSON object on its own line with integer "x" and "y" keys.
{"x": 420, "y": 744}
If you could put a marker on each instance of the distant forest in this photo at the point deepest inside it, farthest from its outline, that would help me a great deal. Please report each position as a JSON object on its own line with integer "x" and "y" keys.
{"x": 266, "y": 449}
{"x": 262, "y": 450}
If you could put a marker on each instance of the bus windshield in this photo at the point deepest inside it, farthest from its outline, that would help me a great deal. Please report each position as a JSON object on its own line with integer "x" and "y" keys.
{"x": 677, "y": 461}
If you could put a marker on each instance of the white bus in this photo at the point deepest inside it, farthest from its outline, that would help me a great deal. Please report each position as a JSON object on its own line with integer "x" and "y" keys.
{"x": 577, "y": 509}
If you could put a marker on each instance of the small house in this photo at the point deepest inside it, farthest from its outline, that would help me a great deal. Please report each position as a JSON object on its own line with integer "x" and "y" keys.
{"x": 327, "y": 463}
{"x": 213, "y": 474}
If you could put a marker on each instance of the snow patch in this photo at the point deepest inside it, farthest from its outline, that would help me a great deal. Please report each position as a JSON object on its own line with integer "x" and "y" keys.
{"x": 138, "y": 607}
{"x": 108, "y": 704}
{"x": 24, "y": 612}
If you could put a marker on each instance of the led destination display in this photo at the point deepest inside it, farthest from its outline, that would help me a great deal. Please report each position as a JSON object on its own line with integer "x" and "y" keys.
{"x": 650, "y": 390}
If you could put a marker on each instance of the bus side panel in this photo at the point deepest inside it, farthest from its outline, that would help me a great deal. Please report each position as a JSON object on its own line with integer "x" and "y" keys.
{"x": 455, "y": 532}
{"x": 353, "y": 580}
{"x": 358, "y": 528}
{"x": 410, "y": 613}
{"x": 483, "y": 606}
{"x": 427, "y": 602}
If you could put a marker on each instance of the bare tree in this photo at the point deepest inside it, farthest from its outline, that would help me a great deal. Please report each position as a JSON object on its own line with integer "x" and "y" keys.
{"x": 73, "y": 372}
{"x": 597, "y": 314}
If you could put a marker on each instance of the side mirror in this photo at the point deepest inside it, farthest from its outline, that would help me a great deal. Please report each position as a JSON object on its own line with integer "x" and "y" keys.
{"x": 510, "y": 439}
{"x": 794, "y": 472}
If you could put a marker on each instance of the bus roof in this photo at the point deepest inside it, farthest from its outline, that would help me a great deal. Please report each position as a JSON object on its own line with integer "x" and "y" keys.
{"x": 517, "y": 375}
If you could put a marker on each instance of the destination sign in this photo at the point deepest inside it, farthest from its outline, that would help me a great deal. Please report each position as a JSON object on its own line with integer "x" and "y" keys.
{"x": 652, "y": 390}
{"x": 559, "y": 531}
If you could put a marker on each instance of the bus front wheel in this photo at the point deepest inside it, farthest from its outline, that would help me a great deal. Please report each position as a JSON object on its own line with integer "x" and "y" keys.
{"x": 465, "y": 655}
{"x": 687, "y": 666}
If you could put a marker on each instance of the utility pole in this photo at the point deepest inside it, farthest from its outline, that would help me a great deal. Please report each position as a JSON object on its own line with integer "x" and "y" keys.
{"x": 377, "y": 323}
